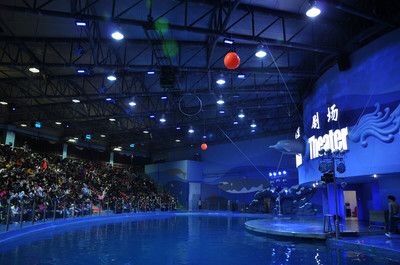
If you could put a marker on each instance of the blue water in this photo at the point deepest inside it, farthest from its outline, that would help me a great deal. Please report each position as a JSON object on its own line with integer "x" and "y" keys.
{"x": 195, "y": 240}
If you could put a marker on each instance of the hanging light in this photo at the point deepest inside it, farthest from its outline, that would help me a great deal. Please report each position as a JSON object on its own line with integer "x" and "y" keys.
{"x": 253, "y": 124}
{"x": 146, "y": 131}
{"x": 228, "y": 41}
{"x": 151, "y": 72}
{"x": 221, "y": 80}
{"x": 116, "y": 35}
{"x": 111, "y": 119}
{"x": 313, "y": 11}
{"x": 235, "y": 123}
{"x": 111, "y": 78}
{"x": 76, "y": 100}
{"x": 163, "y": 119}
{"x": 241, "y": 76}
{"x": 191, "y": 130}
{"x": 261, "y": 52}
{"x": 132, "y": 103}
{"x": 34, "y": 70}
{"x": 220, "y": 101}
{"x": 241, "y": 114}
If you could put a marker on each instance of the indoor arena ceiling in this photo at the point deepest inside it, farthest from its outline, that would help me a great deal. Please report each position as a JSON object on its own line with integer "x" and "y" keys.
{"x": 184, "y": 43}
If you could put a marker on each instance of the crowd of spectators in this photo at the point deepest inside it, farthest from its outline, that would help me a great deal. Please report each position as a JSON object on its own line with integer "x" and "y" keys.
{"x": 32, "y": 184}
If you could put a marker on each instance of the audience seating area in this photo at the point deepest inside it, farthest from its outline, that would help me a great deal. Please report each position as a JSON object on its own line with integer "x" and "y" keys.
{"x": 36, "y": 186}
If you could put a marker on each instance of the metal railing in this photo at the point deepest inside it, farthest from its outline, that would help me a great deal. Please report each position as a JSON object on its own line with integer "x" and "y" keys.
{"x": 18, "y": 215}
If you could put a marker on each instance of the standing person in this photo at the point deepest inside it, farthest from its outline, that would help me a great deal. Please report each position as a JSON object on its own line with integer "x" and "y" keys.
{"x": 392, "y": 215}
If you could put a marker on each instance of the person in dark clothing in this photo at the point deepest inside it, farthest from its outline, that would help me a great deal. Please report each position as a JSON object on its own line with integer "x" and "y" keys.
{"x": 392, "y": 216}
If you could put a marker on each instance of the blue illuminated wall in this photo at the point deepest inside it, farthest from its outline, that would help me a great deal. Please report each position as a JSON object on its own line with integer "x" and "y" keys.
{"x": 227, "y": 174}
{"x": 368, "y": 97}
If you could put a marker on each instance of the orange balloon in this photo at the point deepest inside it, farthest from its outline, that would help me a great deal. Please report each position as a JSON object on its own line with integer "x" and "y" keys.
{"x": 204, "y": 146}
{"x": 232, "y": 60}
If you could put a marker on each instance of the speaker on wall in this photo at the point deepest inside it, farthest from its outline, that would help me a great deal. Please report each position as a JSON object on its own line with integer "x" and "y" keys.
{"x": 344, "y": 62}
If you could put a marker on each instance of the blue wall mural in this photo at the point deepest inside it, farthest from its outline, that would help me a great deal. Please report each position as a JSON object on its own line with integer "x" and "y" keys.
{"x": 368, "y": 99}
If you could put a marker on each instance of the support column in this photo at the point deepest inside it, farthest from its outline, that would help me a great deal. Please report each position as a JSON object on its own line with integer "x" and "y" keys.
{"x": 112, "y": 159}
{"x": 10, "y": 138}
{"x": 65, "y": 151}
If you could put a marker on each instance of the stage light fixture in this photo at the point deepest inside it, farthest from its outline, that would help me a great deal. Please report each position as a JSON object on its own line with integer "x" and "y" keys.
{"x": 58, "y": 123}
{"x": 3, "y": 103}
{"x": 102, "y": 135}
{"x": 241, "y": 114}
{"x": 116, "y": 35}
{"x": 23, "y": 125}
{"x": 270, "y": 174}
{"x": 261, "y": 52}
{"x": 152, "y": 116}
{"x": 313, "y": 11}
{"x": 178, "y": 128}
{"x": 235, "y": 123}
{"x": 163, "y": 119}
{"x": 75, "y": 100}
{"x": 80, "y": 23}
{"x": 146, "y": 131}
{"x": 151, "y": 72}
{"x": 108, "y": 99}
{"x": 191, "y": 130}
{"x": 132, "y": 103}
{"x": 164, "y": 97}
{"x": 241, "y": 76}
{"x": 111, "y": 78}
{"x": 112, "y": 119}
{"x": 284, "y": 172}
{"x": 253, "y": 124}
{"x": 220, "y": 101}
{"x": 34, "y": 70}
{"x": 221, "y": 80}
{"x": 81, "y": 71}
{"x": 177, "y": 140}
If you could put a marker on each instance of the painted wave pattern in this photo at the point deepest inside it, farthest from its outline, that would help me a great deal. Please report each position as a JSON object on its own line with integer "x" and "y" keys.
{"x": 382, "y": 125}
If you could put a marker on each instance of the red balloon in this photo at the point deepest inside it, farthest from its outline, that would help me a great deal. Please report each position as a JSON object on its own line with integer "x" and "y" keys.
{"x": 232, "y": 60}
{"x": 204, "y": 146}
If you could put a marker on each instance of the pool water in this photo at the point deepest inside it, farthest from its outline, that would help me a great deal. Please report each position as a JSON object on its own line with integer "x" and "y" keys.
{"x": 197, "y": 240}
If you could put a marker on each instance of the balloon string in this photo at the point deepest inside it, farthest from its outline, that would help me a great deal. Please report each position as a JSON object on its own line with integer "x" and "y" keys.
{"x": 238, "y": 148}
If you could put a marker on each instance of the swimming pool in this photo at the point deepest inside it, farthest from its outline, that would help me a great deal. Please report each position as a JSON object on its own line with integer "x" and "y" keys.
{"x": 169, "y": 239}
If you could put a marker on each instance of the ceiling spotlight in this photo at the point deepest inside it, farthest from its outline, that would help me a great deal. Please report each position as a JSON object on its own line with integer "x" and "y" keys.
{"x": 228, "y": 41}
{"x": 3, "y": 103}
{"x": 146, "y": 131}
{"x": 270, "y": 174}
{"x": 117, "y": 149}
{"x": 375, "y": 176}
{"x": 111, "y": 78}
{"x": 23, "y": 125}
{"x": 76, "y": 138}
{"x": 284, "y": 172}
{"x": 152, "y": 116}
{"x": 313, "y": 11}
{"x": 132, "y": 103}
{"x": 112, "y": 119}
{"x": 221, "y": 80}
{"x": 34, "y": 70}
{"x": 163, "y": 119}
{"x": 151, "y": 72}
{"x": 178, "y": 128}
{"x": 241, "y": 76}
{"x": 220, "y": 101}
{"x": 253, "y": 130}
{"x": 235, "y": 123}
{"x": 274, "y": 174}
{"x": 164, "y": 97}
{"x": 76, "y": 100}
{"x": 102, "y": 135}
{"x": 72, "y": 140}
{"x": 108, "y": 99}
{"x": 58, "y": 123}
{"x": 261, "y": 52}
{"x": 80, "y": 23}
{"x": 191, "y": 130}
{"x": 221, "y": 111}
{"x": 241, "y": 114}
{"x": 253, "y": 125}
{"x": 177, "y": 140}
{"x": 81, "y": 71}
{"x": 117, "y": 35}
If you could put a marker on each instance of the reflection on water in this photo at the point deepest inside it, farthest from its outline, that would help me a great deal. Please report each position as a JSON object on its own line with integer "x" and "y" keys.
{"x": 179, "y": 240}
